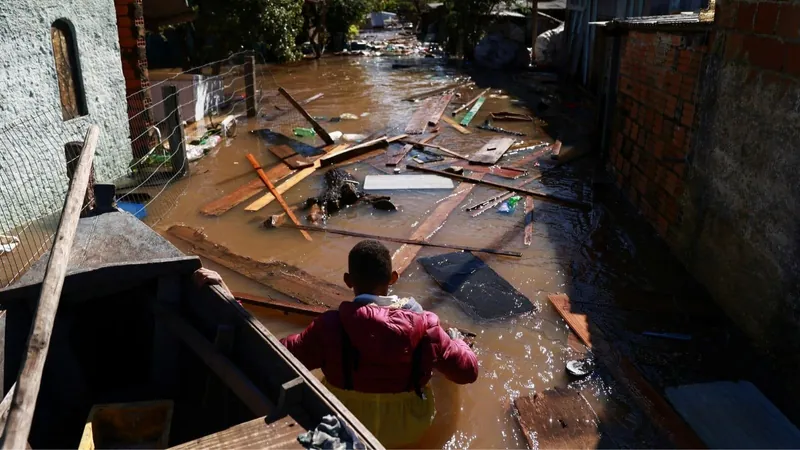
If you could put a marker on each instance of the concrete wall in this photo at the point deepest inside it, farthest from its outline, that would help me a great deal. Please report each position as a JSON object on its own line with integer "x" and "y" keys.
{"x": 32, "y": 132}
{"x": 743, "y": 195}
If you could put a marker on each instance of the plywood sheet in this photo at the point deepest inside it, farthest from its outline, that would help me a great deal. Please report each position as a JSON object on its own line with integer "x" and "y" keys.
{"x": 419, "y": 120}
{"x": 256, "y": 433}
{"x": 392, "y": 182}
{"x": 558, "y": 418}
{"x": 492, "y": 151}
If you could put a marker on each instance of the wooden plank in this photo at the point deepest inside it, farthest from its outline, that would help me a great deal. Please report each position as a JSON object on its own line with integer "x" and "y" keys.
{"x": 439, "y": 107}
{"x": 256, "y": 433}
{"x": 405, "y": 255}
{"x": 228, "y": 373}
{"x": 475, "y": 108}
{"x": 528, "y": 221}
{"x": 510, "y": 173}
{"x": 229, "y": 201}
{"x": 393, "y": 157}
{"x": 277, "y": 194}
{"x": 30, "y": 377}
{"x": 393, "y": 182}
{"x": 317, "y": 127}
{"x": 492, "y": 151}
{"x": 351, "y": 152}
{"x": 492, "y": 203}
{"x": 276, "y": 275}
{"x": 284, "y": 187}
{"x": 421, "y": 242}
{"x": 281, "y": 113}
{"x": 438, "y": 91}
{"x": 558, "y": 418}
{"x": 290, "y": 157}
{"x": 653, "y": 404}
{"x": 504, "y": 115}
{"x": 470, "y": 103}
{"x": 422, "y": 144}
{"x": 518, "y": 190}
{"x": 456, "y": 125}
{"x": 286, "y": 307}
{"x": 5, "y": 405}
{"x": 422, "y": 115}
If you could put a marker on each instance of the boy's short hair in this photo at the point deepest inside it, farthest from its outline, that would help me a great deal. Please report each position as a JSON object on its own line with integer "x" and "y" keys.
{"x": 370, "y": 264}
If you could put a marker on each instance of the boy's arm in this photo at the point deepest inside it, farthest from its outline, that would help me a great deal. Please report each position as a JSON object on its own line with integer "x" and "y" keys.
{"x": 454, "y": 359}
{"x": 307, "y": 346}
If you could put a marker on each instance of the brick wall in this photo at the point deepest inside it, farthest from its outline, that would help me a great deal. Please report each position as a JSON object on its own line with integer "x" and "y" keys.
{"x": 655, "y": 120}
{"x": 130, "y": 25}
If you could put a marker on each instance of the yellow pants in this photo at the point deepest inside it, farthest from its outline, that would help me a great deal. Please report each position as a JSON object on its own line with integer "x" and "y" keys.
{"x": 396, "y": 420}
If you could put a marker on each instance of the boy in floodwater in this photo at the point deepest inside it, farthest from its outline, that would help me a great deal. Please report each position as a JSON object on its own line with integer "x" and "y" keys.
{"x": 378, "y": 352}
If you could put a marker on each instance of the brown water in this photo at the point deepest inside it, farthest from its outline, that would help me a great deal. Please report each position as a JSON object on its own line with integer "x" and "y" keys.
{"x": 518, "y": 356}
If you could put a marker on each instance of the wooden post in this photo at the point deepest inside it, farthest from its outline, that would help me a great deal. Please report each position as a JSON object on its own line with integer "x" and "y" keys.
{"x": 317, "y": 127}
{"x": 250, "y": 84}
{"x": 534, "y": 27}
{"x": 177, "y": 138}
{"x": 275, "y": 192}
{"x": 15, "y": 435}
{"x": 72, "y": 151}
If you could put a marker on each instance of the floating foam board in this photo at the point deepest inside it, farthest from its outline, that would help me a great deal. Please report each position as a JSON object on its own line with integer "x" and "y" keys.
{"x": 727, "y": 414}
{"x": 394, "y": 182}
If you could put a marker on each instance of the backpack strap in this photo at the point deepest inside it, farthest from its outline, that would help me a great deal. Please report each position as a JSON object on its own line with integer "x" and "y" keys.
{"x": 349, "y": 360}
{"x": 416, "y": 361}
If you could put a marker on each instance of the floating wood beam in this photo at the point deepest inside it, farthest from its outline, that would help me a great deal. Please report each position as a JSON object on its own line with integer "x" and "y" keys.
{"x": 277, "y": 194}
{"x": 518, "y": 190}
{"x": 471, "y": 114}
{"x": 439, "y": 107}
{"x": 288, "y": 280}
{"x": 227, "y": 202}
{"x": 492, "y": 151}
{"x": 227, "y": 372}
{"x": 437, "y": 147}
{"x": 283, "y": 112}
{"x": 470, "y": 103}
{"x": 653, "y": 404}
{"x": 317, "y": 127}
{"x": 528, "y": 238}
{"x": 492, "y": 203}
{"x": 456, "y": 125}
{"x": 438, "y": 91}
{"x": 20, "y": 417}
{"x": 405, "y": 255}
{"x": 512, "y": 173}
{"x": 420, "y": 242}
{"x": 256, "y": 433}
{"x": 351, "y": 152}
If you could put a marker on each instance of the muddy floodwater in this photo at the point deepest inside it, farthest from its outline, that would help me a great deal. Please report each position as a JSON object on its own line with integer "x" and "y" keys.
{"x": 582, "y": 253}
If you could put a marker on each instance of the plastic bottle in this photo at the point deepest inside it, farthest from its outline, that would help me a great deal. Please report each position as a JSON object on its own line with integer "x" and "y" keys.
{"x": 510, "y": 205}
{"x": 304, "y": 132}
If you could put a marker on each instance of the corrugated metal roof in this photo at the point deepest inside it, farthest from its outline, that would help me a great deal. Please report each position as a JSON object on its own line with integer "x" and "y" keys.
{"x": 682, "y": 20}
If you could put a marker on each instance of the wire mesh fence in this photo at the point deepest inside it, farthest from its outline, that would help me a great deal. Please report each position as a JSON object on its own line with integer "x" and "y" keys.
{"x": 176, "y": 120}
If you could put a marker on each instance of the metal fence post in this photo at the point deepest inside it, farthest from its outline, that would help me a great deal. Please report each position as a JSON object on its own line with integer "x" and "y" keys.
{"x": 250, "y": 84}
{"x": 72, "y": 151}
{"x": 174, "y": 123}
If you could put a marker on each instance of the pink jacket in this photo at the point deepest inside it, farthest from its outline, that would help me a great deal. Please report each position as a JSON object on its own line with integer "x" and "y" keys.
{"x": 389, "y": 349}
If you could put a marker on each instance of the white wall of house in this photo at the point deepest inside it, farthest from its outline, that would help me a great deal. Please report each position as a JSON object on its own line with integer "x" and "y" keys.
{"x": 32, "y": 133}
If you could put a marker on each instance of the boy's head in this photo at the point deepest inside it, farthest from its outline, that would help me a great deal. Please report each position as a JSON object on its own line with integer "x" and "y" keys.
{"x": 370, "y": 269}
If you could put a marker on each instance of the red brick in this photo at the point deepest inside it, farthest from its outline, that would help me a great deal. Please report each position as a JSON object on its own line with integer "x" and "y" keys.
{"x": 745, "y": 16}
{"x": 642, "y": 138}
{"x": 725, "y": 13}
{"x": 788, "y": 21}
{"x": 679, "y": 170}
{"x": 634, "y": 131}
{"x": 792, "y": 64}
{"x": 734, "y": 43}
{"x": 626, "y": 168}
{"x": 687, "y": 93}
{"x": 658, "y": 149}
{"x": 766, "y": 17}
{"x": 662, "y": 226}
{"x": 658, "y": 124}
{"x": 687, "y": 117}
{"x": 767, "y": 53}
{"x": 672, "y": 103}
{"x": 124, "y": 22}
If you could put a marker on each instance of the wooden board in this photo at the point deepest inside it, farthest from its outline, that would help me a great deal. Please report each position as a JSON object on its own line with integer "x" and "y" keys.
{"x": 439, "y": 107}
{"x": 419, "y": 120}
{"x": 286, "y": 279}
{"x": 290, "y": 157}
{"x": 394, "y": 156}
{"x": 317, "y": 127}
{"x": 503, "y": 172}
{"x": 528, "y": 238}
{"x": 455, "y": 125}
{"x": 275, "y": 192}
{"x": 393, "y": 182}
{"x": 338, "y": 156}
{"x": 405, "y": 255}
{"x": 470, "y": 102}
{"x": 558, "y": 418}
{"x": 654, "y": 405}
{"x": 256, "y": 433}
{"x": 229, "y": 201}
{"x": 492, "y": 151}
{"x": 438, "y": 91}
{"x": 474, "y": 110}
